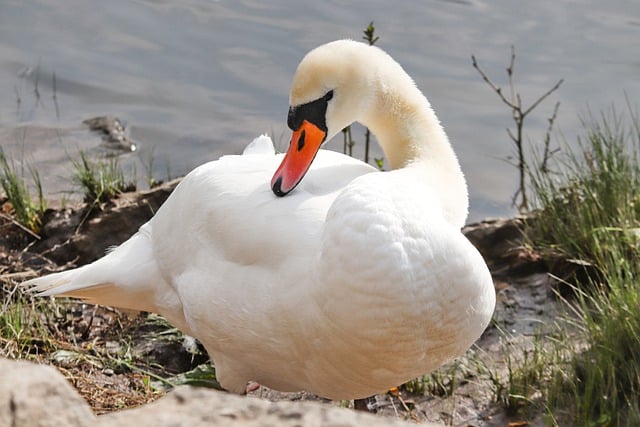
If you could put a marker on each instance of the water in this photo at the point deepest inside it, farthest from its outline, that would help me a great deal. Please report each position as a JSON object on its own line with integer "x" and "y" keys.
{"x": 196, "y": 79}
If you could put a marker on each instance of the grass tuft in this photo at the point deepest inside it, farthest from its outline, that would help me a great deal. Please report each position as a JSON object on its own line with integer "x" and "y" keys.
{"x": 441, "y": 382}
{"x": 591, "y": 212}
{"x": 521, "y": 380}
{"x": 24, "y": 325}
{"x": 25, "y": 210}
{"x": 101, "y": 180}
{"x": 594, "y": 200}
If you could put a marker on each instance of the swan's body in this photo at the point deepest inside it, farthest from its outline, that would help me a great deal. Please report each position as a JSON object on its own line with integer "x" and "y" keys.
{"x": 357, "y": 281}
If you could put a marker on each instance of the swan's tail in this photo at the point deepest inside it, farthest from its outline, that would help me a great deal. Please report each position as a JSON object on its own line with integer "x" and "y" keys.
{"x": 127, "y": 277}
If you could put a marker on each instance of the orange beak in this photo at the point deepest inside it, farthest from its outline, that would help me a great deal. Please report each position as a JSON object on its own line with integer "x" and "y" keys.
{"x": 304, "y": 145}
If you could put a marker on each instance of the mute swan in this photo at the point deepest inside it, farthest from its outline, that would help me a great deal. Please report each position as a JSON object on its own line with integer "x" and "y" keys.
{"x": 354, "y": 283}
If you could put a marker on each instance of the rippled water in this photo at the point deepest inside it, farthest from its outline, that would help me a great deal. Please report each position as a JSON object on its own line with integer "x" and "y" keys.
{"x": 195, "y": 79}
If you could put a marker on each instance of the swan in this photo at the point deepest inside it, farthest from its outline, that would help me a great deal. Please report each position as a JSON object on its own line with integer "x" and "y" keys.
{"x": 346, "y": 283}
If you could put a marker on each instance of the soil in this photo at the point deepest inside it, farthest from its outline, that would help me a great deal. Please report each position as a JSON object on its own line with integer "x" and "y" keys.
{"x": 117, "y": 360}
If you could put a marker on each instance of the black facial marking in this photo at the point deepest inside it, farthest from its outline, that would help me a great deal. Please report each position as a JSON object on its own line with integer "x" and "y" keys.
{"x": 313, "y": 112}
{"x": 301, "y": 141}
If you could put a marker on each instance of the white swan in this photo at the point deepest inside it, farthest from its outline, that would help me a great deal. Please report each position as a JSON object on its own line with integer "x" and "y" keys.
{"x": 354, "y": 283}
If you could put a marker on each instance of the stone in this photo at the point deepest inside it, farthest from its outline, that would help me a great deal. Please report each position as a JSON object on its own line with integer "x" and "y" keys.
{"x": 38, "y": 395}
{"x": 197, "y": 407}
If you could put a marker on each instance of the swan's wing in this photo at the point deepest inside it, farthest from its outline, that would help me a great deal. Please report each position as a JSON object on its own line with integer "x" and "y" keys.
{"x": 224, "y": 233}
{"x": 226, "y": 210}
{"x": 240, "y": 257}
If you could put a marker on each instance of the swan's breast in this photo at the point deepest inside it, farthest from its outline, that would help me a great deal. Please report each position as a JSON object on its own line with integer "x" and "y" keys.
{"x": 403, "y": 290}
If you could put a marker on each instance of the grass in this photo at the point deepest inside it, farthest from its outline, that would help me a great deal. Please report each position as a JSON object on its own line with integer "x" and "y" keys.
{"x": 26, "y": 211}
{"x": 441, "y": 382}
{"x": 100, "y": 180}
{"x": 606, "y": 386}
{"x": 601, "y": 180}
{"x": 24, "y": 325}
{"x": 523, "y": 380}
{"x": 96, "y": 356}
{"x": 590, "y": 212}
{"x": 586, "y": 370}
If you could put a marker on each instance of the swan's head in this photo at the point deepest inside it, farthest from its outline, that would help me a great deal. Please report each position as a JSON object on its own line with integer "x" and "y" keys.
{"x": 332, "y": 88}
{"x": 346, "y": 81}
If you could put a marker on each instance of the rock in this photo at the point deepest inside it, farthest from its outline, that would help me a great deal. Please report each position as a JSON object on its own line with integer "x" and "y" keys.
{"x": 38, "y": 395}
{"x": 503, "y": 244}
{"x": 113, "y": 132}
{"x": 196, "y": 407}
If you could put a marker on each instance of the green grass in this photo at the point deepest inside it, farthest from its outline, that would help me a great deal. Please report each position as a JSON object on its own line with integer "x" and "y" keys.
{"x": 100, "y": 180}
{"x": 594, "y": 200}
{"x": 591, "y": 212}
{"x": 441, "y": 382}
{"x": 24, "y": 324}
{"x": 522, "y": 380}
{"x": 606, "y": 386}
{"x": 26, "y": 211}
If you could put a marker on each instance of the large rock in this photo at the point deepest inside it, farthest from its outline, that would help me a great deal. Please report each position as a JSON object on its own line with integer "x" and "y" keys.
{"x": 504, "y": 246}
{"x": 197, "y": 407}
{"x": 37, "y": 395}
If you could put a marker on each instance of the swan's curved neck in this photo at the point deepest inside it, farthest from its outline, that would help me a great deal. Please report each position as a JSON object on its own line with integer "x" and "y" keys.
{"x": 410, "y": 135}
{"x": 406, "y": 127}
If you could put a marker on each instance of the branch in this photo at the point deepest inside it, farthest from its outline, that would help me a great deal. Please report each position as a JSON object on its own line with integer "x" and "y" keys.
{"x": 510, "y": 72}
{"x": 490, "y": 83}
{"x": 539, "y": 100}
{"x": 547, "y": 140}
{"x": 519, "y": 115}
{"x": 515, "y": 196}
{"x": 20, "y": 226}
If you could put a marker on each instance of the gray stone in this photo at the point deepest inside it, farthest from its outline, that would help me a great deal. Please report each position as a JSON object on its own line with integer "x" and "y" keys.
{"x": 38, "y": 395}
{"x": 197, "y": 407}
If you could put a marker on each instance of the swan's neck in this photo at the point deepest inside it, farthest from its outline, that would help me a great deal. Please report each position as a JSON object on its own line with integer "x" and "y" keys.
{"x": 410, "y": 135}
{"x": 406, "y": 127}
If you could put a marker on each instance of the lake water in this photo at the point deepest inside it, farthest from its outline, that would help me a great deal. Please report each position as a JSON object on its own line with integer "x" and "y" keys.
{"x": 196, "y": 79}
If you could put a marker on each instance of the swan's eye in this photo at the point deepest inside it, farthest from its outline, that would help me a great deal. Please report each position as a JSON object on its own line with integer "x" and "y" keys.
{"x": 313, "y": 112}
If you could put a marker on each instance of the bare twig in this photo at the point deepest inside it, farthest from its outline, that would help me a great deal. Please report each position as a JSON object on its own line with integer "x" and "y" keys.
{"x": 510, "y": 72}
{"x": 371, "y": 38}
{"x": 344, "y": 140}
{"x": 55, "y": 96}
{"x": 495, "y": 88}
{"x": 20, "y": 226}
{"x": 348, "y": 141}
{"x": 514, "y": 198}
{"x": 546, "y": 94}
{"x": 548, "y": 153}
{"x": 514, "y": 102}
{"x": 18, "y": 99}
{"x": 36, "y": 90}
{"x": 367, "y": 142}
